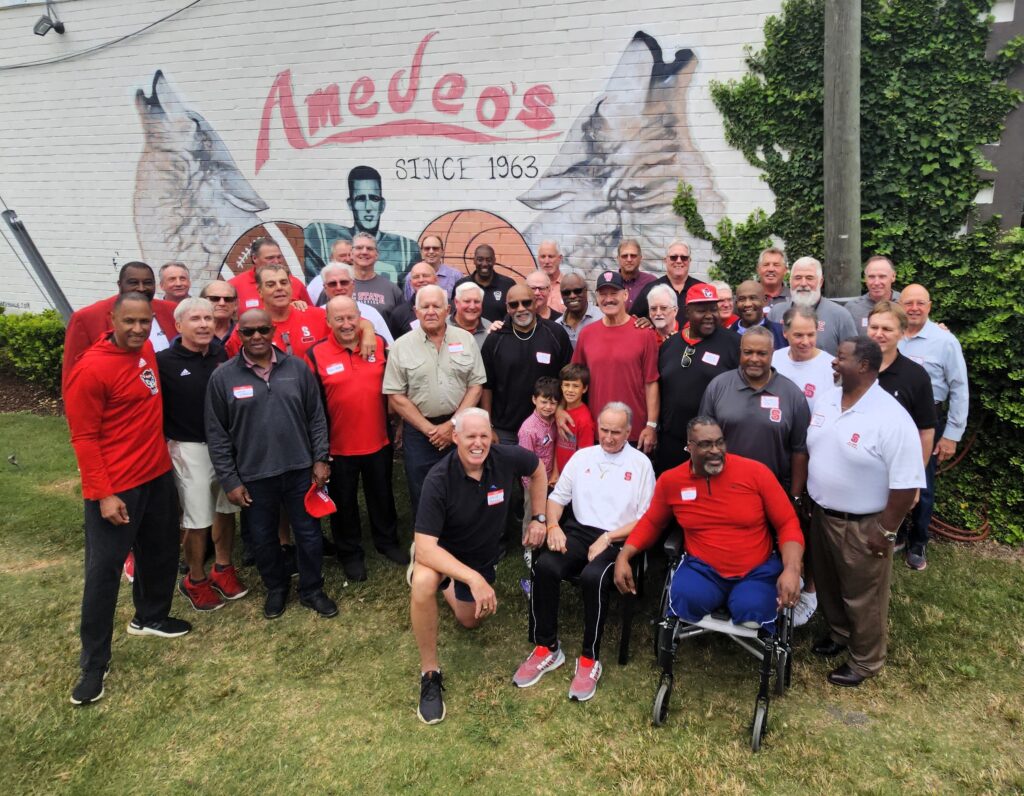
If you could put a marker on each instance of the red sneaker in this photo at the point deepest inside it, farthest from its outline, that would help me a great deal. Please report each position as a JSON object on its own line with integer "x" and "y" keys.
{"x": 227, "y": 584}
{"x": 129, "y": 568}
{"x": 201, "y": 595}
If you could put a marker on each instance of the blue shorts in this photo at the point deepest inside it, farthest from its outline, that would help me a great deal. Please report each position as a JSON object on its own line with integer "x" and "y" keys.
{"x": 462, "y": 591}
{"x": 697, "y": 590}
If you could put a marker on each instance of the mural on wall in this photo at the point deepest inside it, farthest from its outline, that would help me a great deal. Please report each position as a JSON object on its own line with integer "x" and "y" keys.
{"x": 614, "y": 177}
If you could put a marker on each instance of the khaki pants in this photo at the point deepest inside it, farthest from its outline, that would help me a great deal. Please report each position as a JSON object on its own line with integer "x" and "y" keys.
{"x": 853, "y": 587}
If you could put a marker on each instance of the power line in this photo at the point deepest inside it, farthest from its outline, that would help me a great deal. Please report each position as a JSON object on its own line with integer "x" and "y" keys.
{"x": 96, "y": 48}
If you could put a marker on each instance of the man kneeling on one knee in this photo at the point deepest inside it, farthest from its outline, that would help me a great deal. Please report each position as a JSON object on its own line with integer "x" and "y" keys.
{"x": 726, "y": 506}
{"x": 459, "y": 526}
{"x": 610, "y": 486}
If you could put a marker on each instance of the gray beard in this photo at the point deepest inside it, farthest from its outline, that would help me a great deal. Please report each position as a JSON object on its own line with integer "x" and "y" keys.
{"x": 806, "y": 299}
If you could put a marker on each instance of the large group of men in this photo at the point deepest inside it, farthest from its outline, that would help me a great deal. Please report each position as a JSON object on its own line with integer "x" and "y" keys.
{"x": 792, "y": 439}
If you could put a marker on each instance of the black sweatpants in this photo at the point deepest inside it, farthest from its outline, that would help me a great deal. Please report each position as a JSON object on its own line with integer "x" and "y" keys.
{"x": 152, "y": 534}
{"x": 376, "y": 471}
{"x": 551, "y": 568}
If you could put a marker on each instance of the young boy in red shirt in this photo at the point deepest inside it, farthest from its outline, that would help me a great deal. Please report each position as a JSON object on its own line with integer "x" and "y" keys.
{"x": 575, "y": 378}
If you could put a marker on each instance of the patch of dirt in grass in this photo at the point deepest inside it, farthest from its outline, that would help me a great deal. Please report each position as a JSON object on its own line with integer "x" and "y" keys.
{"x": 67, "y": 487}
{"x": 989, "y": 548}
{"x": 17, "y": 395}
{"x": 21, "y": 567}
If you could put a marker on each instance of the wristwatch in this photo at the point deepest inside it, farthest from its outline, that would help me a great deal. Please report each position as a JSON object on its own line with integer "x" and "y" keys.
{"x": 541, "y": 518}
{"x": 652, "y": 424}
{"x": 890, "y": 536}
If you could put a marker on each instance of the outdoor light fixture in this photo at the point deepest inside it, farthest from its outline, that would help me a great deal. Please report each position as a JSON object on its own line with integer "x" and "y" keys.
{"x": 47, "y": 21}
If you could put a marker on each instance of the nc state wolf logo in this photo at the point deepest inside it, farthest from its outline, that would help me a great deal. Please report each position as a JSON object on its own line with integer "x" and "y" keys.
{"x": 616, "y": 174}
{"x": 149, "y": 379}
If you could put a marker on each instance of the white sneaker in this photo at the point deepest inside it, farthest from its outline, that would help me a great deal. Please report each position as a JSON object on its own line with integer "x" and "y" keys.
{"x": 805, "y": 608}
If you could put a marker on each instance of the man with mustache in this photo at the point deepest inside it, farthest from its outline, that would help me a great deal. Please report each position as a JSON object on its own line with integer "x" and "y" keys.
{"x": 727, "y": 505}
{"x": 834, "y": 322}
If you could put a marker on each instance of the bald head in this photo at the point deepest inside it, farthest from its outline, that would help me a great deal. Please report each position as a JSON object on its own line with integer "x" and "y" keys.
{"x": 255, "y": 317}
{"x": 341, "y": 304}
{"x": 917, "y": 303}
{"x": 421, "y": 274}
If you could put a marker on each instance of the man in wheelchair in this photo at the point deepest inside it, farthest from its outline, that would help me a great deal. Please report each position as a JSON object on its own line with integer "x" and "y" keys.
{"x": 727, "y": 506}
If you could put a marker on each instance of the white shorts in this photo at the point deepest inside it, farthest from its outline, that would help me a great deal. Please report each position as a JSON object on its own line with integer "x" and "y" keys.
{"x": 199, "y": 491}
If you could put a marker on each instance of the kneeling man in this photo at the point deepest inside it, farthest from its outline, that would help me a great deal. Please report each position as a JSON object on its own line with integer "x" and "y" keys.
{"x": 459, "y": 528}
{"x": 726, "y": 506}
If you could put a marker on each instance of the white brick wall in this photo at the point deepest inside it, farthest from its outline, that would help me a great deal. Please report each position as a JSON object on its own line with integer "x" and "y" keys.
{"x": 72, "y": 138}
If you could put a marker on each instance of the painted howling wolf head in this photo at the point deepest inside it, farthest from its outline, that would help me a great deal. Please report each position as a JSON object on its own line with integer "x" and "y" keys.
{"x": 191, "y": 201}
{"x": 616, "y": 174}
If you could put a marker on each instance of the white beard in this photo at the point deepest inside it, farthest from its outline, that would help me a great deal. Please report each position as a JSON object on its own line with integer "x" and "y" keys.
{"x": 810, "y": 299}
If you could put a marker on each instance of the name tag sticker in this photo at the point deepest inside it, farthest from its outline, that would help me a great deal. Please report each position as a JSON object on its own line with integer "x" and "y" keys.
{"x": 544, "y": 358}
{"x": 337, "y": 367}
{"x": 245, "y": 391}
{"x": 454, "y": 348}
{"x": 918, "y": 360}
{"x": 711, "y": 359}
{"x": 864, "y": 322}
{"x": 495, "y": 496}
{"x": 818, "y": 420}
{"x": 769, "y": 402}
{"x": 250, "y": 303}
{"x": 688, "y": 494}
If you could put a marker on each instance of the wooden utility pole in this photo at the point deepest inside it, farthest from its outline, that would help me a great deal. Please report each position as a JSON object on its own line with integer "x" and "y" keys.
{"x": 842, "y": 148}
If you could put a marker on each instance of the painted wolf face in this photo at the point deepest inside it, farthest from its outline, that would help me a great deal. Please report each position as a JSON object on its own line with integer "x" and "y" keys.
{"x": 191, "y": 200}
{"x": 616, "y": 174}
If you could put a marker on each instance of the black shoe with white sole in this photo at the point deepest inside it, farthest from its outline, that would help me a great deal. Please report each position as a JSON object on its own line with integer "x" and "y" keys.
{"x": 431, "y": 709}
{"x": 90, "y": 687}
{"x": 163, "y": 628}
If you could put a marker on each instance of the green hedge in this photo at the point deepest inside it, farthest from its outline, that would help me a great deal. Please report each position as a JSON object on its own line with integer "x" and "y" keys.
{"x": 32, "y": 345}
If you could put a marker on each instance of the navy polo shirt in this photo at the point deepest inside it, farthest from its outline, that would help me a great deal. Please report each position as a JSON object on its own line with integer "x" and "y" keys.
{"x": 468, "y": 516}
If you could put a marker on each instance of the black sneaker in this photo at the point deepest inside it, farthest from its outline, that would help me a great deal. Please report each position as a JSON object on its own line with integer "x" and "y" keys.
{"x": 355, "y": 570}
{"x": 396, "y": 555}
{"x": 322, "y": 604}
{"x": 431, "y": 709}
{"x": 164, "y": 628}
{"x": 273, "y": 607}
{"x": 90, "y": 687}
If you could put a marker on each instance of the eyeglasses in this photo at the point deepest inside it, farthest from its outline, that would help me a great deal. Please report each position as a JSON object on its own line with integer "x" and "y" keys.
{"x": 338, "y": 283}
{"x": 430, "y": 248}
{"x": 707, "y": 444}
{"x": 573, "y": 291}
{"x": 687, "y": 359}
{"x": 219, "y": 299}
{"x": 365, "y": 198}
{"x": 525, "y": 304}
{"x": 676, "y": 258}
{"x": 263, "y": 331}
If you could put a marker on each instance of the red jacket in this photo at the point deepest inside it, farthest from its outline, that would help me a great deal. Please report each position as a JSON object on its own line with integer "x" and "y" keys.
{"x": 89, "y": 324}
{"x": 115, "y": 412}
{"x": 725, "y": 518}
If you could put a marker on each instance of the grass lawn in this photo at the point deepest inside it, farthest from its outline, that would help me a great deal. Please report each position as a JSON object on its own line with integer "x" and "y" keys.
{"x": 308, "y": 705}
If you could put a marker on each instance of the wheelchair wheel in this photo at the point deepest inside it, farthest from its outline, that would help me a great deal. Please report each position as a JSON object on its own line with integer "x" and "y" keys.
{"x": 661, "y": 698}
{"x": 759, "y": 727}
{"x": 782, "y": 664}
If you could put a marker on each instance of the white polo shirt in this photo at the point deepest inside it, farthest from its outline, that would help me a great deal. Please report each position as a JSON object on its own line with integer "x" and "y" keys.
{"x": 858, "y": 455}
{"x": 607, "y": 490}
{"x": 814, "y": 377}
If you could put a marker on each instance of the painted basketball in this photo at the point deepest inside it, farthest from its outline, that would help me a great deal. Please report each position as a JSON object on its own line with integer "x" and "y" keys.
{"x": 461, "y": 231}
{"x": 287, "y": 235}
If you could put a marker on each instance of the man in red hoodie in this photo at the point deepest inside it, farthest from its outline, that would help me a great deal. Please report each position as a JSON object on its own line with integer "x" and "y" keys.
{"x": 115, "y": 413}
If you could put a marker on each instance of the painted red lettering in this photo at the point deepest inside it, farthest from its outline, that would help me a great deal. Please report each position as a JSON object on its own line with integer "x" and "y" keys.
{"x": 536, "y": 113}
{"x": 499, "y": 99}
{"x": 359, "y": 98}
{"x": 323, "y": 107}
{"x": 281, "y": 96}
{"x": 399, "y": 102}
{"x": 449, "y": 88}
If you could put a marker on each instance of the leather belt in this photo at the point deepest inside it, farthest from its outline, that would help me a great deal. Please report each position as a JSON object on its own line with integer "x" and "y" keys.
{"x": 439, "y": 419}
{"x": 846, "y": 515}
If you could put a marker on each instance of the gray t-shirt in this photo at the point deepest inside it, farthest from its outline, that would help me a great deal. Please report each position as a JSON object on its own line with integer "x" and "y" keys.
{"x": 380, "y": 293}
{"x": 860, "y": 308}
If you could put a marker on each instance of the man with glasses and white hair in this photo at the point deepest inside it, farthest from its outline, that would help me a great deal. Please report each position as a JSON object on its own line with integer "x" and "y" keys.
{"x": 459, "y": 527}
{"x": 340, "y": 280}
{"x": 224, "y": 299}
{"x": 677, "y": 276}
{"x": 662, "y": 307}
{"x": 834, "y": 322}
{"x": 341, "y": 252}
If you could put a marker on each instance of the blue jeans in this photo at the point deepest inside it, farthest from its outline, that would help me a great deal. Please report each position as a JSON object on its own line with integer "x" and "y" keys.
{"x": 921, "y": 516}
{"x": 268, "y": 495}
{"x": 697, "y": 590}
{"x": 419, "y": 457}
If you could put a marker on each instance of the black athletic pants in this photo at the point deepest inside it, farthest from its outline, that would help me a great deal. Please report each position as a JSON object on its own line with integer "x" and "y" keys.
{"x": 375, "y": 470}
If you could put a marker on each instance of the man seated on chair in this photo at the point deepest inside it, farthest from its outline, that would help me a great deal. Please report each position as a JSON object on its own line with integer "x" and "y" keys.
{"x": 610, "y": 486}
{"x": 460, "y": 525}
{"x": 726, "y": 505}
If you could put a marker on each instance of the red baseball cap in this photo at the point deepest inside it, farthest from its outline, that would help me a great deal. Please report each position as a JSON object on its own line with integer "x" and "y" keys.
{"x": 701, "y": 294}
{"x": 318, "y": 502}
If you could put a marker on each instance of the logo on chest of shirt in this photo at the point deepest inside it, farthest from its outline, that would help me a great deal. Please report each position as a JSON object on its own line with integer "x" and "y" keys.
{"x": 149, "y": 379}
{"x": 628, "y": 476}
{"x": 821, "y": 326}
{"x": 775, "y": 415}
{"x": 307, "y": 336}
{"x": 185, "y": 372}
{"x": 809, "y": 390}
{"x": 496, "y": 294}
{"x": 854, "y": 440}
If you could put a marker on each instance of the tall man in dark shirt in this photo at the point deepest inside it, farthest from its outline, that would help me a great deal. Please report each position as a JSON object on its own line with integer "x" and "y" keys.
{"x": 494, "y": 285}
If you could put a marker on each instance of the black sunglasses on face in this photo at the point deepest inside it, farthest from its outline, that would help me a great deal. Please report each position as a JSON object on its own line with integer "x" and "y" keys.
{"x": 525, "y": 304}
{"x": 219, "y": 299}
{"x": 573, "y": 291}
{"x": 679, "y": 258}
{"x": 250, "y": 331}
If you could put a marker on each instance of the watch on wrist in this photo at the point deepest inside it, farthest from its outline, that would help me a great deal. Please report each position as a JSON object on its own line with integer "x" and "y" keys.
{"x": 541, "y": 518}
{"x": 890, "y": 536}
{"x": 652, "y": 424}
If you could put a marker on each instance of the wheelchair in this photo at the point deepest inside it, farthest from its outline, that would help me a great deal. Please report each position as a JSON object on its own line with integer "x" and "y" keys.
{"x": 773, "y": 651}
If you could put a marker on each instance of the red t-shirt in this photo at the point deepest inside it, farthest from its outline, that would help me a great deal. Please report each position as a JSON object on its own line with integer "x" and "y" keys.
{"x": 583, "y": 436}
{"x": 249, "y": 295}
{"x": 353, "y": 390}
{"x": 293, "y": 335}
{"x": 622, "y": 361}
{"x": 116, "y": 415}
{"x": 725, "y": 518}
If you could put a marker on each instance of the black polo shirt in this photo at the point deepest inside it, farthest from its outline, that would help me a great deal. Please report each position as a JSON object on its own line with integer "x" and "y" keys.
{"x": 682, "y": 388}
{"x": 641, "y": 310}
{"x": 513, "y": 366}
{"x": 468, "y": 516}
{"x": 494, "y": 294}
{"x": 402, "y": 318}
{"x": 184, "y": 375}
{"x": 908, "y": 383}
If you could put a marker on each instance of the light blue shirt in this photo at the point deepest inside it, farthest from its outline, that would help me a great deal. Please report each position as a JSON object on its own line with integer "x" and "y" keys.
{"x": 939, "y": 353}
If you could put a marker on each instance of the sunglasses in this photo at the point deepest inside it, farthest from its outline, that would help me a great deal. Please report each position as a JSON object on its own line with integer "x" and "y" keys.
{"x": 263, "y": 331}
{"x": 687, "y": 359}
{"x": 573, "y": 291}
{"x": 676, "y": 258}
{"x": 430, "y": 248}
{"x": 338, "y": 283}
{"x": 525, "y": 304}
{"x": 220, "y": 299}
